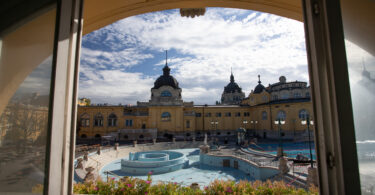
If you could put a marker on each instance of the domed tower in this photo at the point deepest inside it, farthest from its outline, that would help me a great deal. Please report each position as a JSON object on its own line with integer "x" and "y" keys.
{"x": 232, "y": 93}
{"x": 258, "y": 95}
{"x": 166, "y": 90}
{"x": 259, "y": 88}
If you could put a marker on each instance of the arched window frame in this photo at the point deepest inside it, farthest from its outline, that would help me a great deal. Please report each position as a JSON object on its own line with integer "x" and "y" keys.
{"x": 264, "y": 115}
{"x": 166, "y": 116}
{"x": 297, "y": 95}
{"x": 85, "y": 120}
{"x": 285, "y": 95}
{"x": 303, "y": 114}
{"x": 281, "y": 114}
{"x": 264, "y": 98}
{"x": 129, "y": 122}
{"x": 112, "y": 120}
{"x": 98, "y": 120}
{"x": 166, "y": 93}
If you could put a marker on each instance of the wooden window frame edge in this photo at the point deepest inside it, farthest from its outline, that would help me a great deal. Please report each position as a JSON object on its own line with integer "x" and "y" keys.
{"x": 61, "y": 142}
{"x": 328, "y": 71}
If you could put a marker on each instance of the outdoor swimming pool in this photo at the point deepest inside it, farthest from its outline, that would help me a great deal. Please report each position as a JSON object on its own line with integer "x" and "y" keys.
{"x": 291, "y": 149}
{"x": 193, "y": 173}
{"x": 140, "y": 163}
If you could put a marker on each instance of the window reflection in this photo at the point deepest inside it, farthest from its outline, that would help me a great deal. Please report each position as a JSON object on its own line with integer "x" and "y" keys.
{"x": 24, "y": 110}
{"x": 362, "y": 86}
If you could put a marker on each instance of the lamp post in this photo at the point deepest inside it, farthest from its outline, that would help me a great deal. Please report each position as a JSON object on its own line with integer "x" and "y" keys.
{"x": 309, "y": 122}
{"x": 254, "y": 123}
{"x": 280, "y": 122}
{"x": 245, "y": 124}
{"x": 215, "y": 123}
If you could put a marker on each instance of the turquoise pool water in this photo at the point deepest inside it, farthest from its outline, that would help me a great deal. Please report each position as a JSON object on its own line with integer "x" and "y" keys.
{"x": 194, "y": 172}
{"x": 158, "y": 162}
{"x": 291, "y": 149}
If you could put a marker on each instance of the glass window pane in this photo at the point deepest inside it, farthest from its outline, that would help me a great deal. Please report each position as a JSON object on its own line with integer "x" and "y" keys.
{"x": 361, "y": 64}
{"x": 25, "y": 74}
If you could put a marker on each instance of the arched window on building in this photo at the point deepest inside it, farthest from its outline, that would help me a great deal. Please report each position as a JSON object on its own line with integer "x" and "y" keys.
{"x": 297, "y": 95}
{"x": 264, "y": 98}
{"x": 264, "y": 115}
{"x": 281, "y": 115}
{"x": 275, "y": 97}
{"x": 112, "y": 120}
{"x": 85, "y": 120}
{"x": 303, "y": 114}
{"x": 128, "y": 122}
{"x": 166, "y": 116}
{"x": 284, "y": 95}
{"x": 98, "y": 120}
{"x": 188, "y": 124}
{"x": 307, "y": 94}
{"x": 166, "y": 94}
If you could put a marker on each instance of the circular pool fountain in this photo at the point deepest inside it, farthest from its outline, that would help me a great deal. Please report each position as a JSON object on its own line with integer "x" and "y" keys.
{"x": 157, "y": 162}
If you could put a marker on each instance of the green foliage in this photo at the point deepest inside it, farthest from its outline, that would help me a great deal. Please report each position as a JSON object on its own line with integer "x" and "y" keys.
{"x": 129, "y": 185}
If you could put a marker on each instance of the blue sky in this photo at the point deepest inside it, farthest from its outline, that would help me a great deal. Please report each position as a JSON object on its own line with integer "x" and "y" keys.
{"x": 120, "y": 62}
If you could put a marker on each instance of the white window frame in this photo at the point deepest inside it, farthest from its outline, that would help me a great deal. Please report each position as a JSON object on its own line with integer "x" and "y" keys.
{"x": 330, "y": 93}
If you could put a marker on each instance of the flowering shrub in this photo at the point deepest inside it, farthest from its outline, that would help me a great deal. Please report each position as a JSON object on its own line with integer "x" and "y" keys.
{"x": 129, "y": 185}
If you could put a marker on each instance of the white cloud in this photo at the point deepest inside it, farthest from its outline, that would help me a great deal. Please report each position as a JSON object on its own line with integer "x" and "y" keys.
{"x": 39, "y": 80}
{"x": 207, "y": 47}
{"x": 266, "y": 41}
{"x": 118, "y": 59}
{"x": 114, "y": 86}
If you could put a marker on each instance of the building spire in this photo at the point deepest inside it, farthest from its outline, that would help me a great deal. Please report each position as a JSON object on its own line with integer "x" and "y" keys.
{"x": 166, "y": 57}
{"x": 166, "y": 69}
{"x": 231, "y": 76}
{"x": 259, "y": 79}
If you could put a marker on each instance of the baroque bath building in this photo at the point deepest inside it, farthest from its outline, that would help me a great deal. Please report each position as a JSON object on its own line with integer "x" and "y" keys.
{"x": 166, "y": 115}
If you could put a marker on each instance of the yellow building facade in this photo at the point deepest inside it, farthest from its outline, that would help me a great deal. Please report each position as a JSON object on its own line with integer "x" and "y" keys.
{"x": 170, "y": 116}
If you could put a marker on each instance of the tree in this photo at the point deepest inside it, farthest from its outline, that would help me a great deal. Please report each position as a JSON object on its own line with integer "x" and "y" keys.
{"x": 27, "y": 125}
